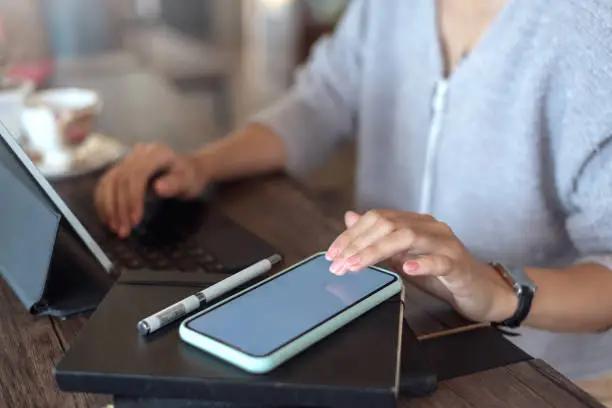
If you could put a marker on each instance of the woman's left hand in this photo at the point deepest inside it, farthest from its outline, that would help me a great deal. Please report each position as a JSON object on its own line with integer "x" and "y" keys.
{"x": 427, "y": 251}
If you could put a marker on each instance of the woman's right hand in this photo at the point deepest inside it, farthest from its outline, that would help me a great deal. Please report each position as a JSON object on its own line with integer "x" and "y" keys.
{"x": 120, "y": 193}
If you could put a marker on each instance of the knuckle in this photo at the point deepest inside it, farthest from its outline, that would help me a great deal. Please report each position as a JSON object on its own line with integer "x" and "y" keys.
{"x": 428, "y": 218}
{"x": 165, "y": 157}
{"x": 136, "y": 188}
{"x": 110, "y": 174}
{"x": 161, "y": 148}
{"x": 374, "y": 214}
{"x": 385, "y": 224}
{"x": 133, "y": 154}
{"x": 145, "y": 150}
{"x": 343, "y": 240}
{"x": 446, "y": 228}
{"x": 183, "y": 169}
{"x": 360, "y": 242}
{"x": 116, "y": 170}
{"x": 407, "y": 234}
{"x": 369, "y": 252}
{"x": 352, "y": 248}
{"x": 151, "y": 146}
{"x": 443, "y": 263}
{"x": 123, "y": 180}
{"x": 375, "y": 249}
{"x": 454, "y": 247}
{"x": 104, "y": 185}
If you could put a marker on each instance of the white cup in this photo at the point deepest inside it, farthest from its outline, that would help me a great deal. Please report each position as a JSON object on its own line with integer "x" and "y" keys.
{"x": 57, "y": 120}
{"x": 45, "y": 144}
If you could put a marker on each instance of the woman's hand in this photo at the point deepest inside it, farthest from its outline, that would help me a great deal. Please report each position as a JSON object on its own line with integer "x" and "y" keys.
{"x": 120, "y": 194}
{"x": 427, "y": 251}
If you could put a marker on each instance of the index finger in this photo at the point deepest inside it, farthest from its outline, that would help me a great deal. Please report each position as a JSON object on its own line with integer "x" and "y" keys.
{"x": 336, "y": 248}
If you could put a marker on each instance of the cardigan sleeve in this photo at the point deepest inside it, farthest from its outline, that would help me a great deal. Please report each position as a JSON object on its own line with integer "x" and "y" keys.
{"x": 583, "y": 141}
{"x": 589, "y": 223}
{"x": 319, "y": 110}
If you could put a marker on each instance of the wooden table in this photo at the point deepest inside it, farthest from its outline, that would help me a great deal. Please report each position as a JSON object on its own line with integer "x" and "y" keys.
{"x": 280, "y": 212}
{"x": 287, "y": 216}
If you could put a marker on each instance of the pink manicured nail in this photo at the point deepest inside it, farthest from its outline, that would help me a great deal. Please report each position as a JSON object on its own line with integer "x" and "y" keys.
{"x": 411, "y": 266}
{"x": 124, "y": 232}
{"x": 331, "y": 253}
{"x": 337, "y": 267}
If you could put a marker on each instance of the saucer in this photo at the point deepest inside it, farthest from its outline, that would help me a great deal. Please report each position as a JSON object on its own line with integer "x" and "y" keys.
{"x": 95, "y": 153}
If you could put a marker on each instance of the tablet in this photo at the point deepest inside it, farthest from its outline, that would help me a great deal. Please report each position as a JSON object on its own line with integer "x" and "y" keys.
{"x": 264, "y": 325}
{"x": 15, "y": 161}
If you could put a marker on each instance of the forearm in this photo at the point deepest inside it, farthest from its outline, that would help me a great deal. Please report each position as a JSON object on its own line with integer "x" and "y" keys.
{"x": 253, "y": 150}
{"x": 573, "y": 299}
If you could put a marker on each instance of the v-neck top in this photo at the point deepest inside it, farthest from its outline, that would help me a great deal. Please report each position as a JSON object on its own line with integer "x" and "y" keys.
{"x": 515, "y": 153}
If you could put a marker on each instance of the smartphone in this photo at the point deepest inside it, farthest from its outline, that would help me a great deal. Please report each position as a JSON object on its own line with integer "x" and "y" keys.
{"x": 266, "y": 324}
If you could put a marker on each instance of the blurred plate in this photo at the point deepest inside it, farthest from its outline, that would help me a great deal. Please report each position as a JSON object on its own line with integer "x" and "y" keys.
{"x": 95, "y": 153}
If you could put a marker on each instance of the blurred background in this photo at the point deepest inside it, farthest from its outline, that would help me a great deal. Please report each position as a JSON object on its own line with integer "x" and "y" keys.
{"x": 166, "y": 67}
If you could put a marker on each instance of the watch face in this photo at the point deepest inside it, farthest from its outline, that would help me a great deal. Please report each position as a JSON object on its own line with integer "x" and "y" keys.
{"x": 522, "y": 279}
{"x": 516, "y": 277}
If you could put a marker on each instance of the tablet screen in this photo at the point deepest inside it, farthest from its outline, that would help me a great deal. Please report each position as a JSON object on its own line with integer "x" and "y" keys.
{"x": 271, "y": 315}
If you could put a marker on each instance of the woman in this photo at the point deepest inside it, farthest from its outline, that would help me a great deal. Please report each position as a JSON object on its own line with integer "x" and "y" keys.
{"x": 494, "y": 116}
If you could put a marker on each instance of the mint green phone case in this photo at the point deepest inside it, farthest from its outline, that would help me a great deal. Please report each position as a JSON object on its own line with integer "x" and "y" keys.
{"x": 264, "y": 364}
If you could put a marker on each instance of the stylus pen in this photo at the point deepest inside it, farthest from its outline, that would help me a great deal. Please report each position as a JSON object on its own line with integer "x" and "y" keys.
{"x": 191, "y": 303}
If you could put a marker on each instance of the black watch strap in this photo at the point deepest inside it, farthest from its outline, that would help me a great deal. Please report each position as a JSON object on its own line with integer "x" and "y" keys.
{"x": 525, "y": 290}
{"x": 525, "y": 297}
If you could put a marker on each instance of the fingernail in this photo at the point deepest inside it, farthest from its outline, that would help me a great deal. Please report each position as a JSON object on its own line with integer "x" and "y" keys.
{"x": 331, "y": 253}
{"x": 135, "y": 218}
{"x": 351, "y": 217}
{"x": 123, "y": 232}
{"x": 343, "y": 269}
{"x": 411, "y": 266}
{"x": 335, "y": 267}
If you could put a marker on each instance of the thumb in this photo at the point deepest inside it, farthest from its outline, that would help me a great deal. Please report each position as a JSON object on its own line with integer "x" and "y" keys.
{"x": 350, "y": 218}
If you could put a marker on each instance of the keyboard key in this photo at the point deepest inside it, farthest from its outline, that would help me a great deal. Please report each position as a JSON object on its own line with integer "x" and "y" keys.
{"x": 177, "y": 254}
{"x": 134, "y": 263}
{"x": 206, "y": 259}
{"x": 186, "y": 265}
{"x": 161, "y": 263}
{"x": 187, "y": 256}
{"x": 217, "y": 267}
{"x": 196, "y": 251}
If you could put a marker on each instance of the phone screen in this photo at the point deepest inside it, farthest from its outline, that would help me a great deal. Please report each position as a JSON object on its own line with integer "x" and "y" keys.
{"x": 265, "y": 318}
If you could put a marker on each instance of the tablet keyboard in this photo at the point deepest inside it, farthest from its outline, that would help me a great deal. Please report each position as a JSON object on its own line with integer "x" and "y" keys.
{"x": 143, "y": 251}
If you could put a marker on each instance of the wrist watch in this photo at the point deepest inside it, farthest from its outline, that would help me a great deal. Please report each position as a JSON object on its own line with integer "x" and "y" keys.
{"x": 524, "y": 288}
